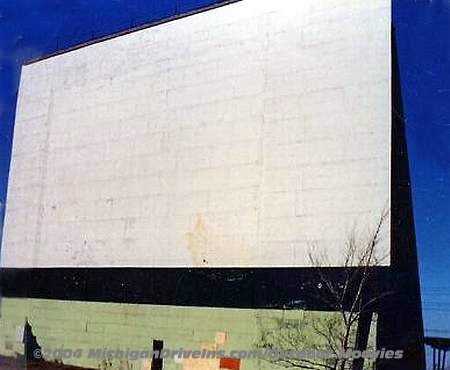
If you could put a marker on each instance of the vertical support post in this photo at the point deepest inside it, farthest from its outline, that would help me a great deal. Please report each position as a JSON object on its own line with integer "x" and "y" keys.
{"x": 362, "y": 338}
{"x": 157, "y": 363}
{"x": 434, "y": 359}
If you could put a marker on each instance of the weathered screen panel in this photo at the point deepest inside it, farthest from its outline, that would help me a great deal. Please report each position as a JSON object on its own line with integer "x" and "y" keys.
{"x": 241, "y": 136}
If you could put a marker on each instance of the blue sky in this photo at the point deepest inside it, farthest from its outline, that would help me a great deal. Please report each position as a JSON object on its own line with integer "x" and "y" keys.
{"x": 31, "y": 28}
{"x": 423, "y": 40}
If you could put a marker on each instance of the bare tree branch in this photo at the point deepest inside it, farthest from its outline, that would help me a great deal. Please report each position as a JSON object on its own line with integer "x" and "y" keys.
{"x": 350, "y": 298}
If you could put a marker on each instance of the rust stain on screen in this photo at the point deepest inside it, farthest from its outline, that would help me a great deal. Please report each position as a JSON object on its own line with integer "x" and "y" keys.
{"x": 198, "y": 243}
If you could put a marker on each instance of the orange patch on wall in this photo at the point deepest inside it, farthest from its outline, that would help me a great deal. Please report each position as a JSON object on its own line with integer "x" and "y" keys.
{"x": 208, "y": 363}
{"x": 230, "y": 363}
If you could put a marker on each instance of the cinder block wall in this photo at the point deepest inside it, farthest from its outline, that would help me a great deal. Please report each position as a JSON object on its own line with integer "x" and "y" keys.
{"x": 84, "y": 325}
{"x": 235, "y": 137}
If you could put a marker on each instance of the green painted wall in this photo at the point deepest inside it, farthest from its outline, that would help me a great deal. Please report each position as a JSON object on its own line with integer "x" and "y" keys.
{"x": 87, "y": 325}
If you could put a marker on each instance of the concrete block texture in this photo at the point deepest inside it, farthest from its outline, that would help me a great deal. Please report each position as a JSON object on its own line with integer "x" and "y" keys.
{"x": 240, "y": 136}
{"x": 85, "y": 326}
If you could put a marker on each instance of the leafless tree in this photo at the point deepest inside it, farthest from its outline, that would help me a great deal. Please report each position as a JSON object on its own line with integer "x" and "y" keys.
{"x": 347, "y": 299}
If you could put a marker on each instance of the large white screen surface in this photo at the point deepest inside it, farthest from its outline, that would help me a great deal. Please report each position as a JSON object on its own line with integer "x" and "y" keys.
{"x": 241, "y": 136}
